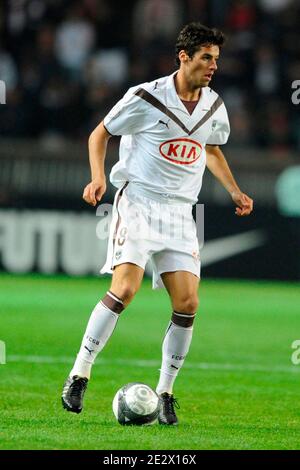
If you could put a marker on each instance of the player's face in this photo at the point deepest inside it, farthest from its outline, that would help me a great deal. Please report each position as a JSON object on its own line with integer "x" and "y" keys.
{"x": 201, "y": 67}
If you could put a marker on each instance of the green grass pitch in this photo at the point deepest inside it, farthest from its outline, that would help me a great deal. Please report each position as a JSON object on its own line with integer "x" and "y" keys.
{"x": 237, "y": 390}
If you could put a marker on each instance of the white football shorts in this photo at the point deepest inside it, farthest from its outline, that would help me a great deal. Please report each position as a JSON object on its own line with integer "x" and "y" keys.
{"x": 143, "y": 229}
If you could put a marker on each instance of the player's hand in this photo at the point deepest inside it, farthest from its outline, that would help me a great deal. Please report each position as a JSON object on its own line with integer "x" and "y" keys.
{"x": 94, "y": 191}
{"x": 244, "y": 203}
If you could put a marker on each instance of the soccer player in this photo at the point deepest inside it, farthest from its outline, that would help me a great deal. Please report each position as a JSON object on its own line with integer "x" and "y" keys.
{"x": 171, "y": 130}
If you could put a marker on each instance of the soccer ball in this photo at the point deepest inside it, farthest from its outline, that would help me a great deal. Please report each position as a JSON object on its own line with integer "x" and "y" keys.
{"x": 136, "y": 403}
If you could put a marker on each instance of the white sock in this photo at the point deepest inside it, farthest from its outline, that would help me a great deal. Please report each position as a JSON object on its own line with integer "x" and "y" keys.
{"x": 101, "y": 324}
{"x": 176, "y": 345}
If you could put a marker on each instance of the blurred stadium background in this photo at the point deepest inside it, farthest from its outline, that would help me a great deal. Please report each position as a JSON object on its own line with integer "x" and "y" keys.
{"x": 64, "y": 64}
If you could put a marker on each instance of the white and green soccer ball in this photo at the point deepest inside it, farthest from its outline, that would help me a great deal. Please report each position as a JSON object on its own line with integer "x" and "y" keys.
{"x": 136, "y": 404}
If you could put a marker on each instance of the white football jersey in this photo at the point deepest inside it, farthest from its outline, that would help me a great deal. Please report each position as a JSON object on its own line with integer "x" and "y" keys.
{"x": 162, "y": 148}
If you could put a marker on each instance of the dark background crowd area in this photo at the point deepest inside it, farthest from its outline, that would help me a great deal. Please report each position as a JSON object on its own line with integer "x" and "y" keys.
{"x": 66, "y": 63}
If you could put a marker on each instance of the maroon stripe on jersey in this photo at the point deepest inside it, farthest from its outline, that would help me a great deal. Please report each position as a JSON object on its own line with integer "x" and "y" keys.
{"x": 114, "y": 305}
{"x": 183, "y": 319}
{"x": 145, "y": 95}
{"x": 208, "y": 115}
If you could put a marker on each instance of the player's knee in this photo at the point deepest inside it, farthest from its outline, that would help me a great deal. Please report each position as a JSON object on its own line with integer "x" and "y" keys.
{"x": 187, "y": 304}
{"x": 126, "y": 292}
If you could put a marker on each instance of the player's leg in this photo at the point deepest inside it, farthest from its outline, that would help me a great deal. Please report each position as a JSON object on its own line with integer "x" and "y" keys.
{"x": 182, "y": 287}
{"x": 126, "y": 281}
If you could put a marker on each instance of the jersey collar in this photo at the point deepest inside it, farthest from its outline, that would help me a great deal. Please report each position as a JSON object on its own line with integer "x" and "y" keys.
{"x": 173, "y": 100}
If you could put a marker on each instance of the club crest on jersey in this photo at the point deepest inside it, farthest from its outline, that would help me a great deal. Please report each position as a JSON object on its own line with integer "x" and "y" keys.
{"x": 182, "y": 151}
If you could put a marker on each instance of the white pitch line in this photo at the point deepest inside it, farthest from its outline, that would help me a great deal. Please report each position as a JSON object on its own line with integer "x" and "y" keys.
{"x": 153, "y": 363}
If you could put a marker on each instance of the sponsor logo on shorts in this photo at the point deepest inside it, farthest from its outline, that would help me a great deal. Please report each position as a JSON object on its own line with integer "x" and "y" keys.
{"x": 182, "y": 151}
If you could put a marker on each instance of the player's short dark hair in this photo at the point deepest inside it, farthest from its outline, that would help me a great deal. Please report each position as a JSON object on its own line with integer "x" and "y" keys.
{"x": 194, "y": 35}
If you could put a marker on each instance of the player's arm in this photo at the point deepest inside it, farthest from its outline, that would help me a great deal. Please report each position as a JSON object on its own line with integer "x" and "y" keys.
{"x": 218, "y": 166}
{"x": 98, "y": 140}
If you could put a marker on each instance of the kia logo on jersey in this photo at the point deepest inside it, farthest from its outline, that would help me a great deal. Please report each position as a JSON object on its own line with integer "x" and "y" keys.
{"x": 181, "y": 151}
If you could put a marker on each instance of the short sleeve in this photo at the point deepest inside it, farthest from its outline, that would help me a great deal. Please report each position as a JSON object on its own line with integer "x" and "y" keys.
{"x": 127, "y": 116}
{"x": 220, "y": 127}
